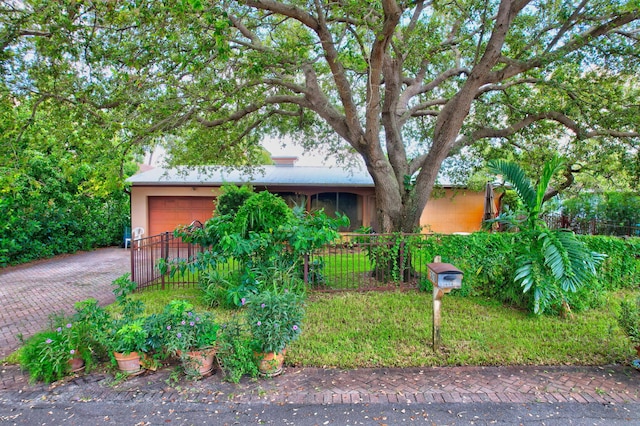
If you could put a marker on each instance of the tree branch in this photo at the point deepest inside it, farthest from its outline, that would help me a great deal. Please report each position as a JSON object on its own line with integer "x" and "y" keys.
{"x": 376, "y": 63}
{"x": 418, "y": 89}
{"x": 580, "y": 132}
{"x": 285, "y": 10}
{"x": 513, "y": 67}
{"x": 569, "y": 178}
{"x": 272, "y": 100}
{"x": 255, "y": 41}
{"x": 505, "y": 86}
{"x": 417, "y": 110}
{"x": 566, "y": 26}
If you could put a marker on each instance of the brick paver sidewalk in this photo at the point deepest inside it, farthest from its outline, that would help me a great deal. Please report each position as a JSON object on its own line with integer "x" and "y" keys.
{"x": 520, "y": 384}
{"x": 30, "y": 293}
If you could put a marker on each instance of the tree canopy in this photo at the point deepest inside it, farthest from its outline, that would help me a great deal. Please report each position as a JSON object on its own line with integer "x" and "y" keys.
{"x": 403, "y": 84}
{"x": 59, "y": 191}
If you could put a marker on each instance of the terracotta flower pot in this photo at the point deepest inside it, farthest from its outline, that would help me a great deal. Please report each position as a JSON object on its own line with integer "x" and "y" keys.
{"x": 638, "y": 350}
{"x": 270, "y": 363}
{"x": 201, "y": 361}
{"x": 129, "y": 363}
{"x": 76, "y": 364}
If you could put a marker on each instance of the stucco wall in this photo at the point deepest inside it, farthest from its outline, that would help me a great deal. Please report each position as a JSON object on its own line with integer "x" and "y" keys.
{"x": 459, "y": 210}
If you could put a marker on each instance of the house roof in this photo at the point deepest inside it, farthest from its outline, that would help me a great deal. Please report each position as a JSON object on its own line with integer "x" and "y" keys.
{"x": 260, "y": 175}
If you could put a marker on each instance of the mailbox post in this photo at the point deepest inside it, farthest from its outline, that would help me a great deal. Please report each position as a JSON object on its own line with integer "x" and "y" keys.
{"x": 444, "y": 277}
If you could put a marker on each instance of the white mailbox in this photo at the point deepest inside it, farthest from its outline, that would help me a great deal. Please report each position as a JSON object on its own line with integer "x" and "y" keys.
{"x": 445, "y": 275}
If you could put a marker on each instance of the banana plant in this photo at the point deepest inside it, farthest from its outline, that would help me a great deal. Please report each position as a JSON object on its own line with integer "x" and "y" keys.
{"x": 553, "y": 262}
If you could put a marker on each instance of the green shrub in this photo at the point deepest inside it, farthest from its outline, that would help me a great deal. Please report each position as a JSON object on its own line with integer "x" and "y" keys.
{"x": 46, "y": 354}
{"x": 235, "y": 351}
{"x": 231, "y": 199}
{"x": 275, "y": 319}
{"x": 487, "y": 261}
{"x": 621, "y": 268}
{"x": 44, "y": 357}
{"x": 214, "y": 286}
{"x": 629, "y": 319}
{"x": 263, "y": 212}
{"x": 621, "y": 209}
{"x": 49, "y": 209}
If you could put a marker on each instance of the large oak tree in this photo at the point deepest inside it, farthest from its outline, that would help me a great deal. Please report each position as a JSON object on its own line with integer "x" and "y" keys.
{"x": 404, "y": 84}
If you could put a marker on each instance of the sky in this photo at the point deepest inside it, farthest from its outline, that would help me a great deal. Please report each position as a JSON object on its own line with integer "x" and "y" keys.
{"x": 291, "y": 150}
{"x": 271, "y": 145}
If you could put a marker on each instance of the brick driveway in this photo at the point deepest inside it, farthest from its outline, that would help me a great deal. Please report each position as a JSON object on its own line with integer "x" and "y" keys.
{"x": 30, "y": 293}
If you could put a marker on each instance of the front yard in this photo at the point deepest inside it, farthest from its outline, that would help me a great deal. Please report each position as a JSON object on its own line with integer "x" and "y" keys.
{"x": 394, "y": 329}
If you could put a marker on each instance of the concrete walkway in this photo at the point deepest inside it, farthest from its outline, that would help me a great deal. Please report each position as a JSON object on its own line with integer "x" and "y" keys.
{"x": 29, "y": 293}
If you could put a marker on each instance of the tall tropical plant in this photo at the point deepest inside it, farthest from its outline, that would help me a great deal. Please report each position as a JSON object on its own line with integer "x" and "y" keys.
{"x": 553, "y": 262}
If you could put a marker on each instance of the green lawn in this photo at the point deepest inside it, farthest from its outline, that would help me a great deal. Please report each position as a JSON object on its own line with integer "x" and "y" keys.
{"x": 394, "y": 329}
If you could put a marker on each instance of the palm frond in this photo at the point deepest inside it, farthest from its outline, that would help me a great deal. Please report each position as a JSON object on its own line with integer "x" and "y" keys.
{"x": 555, "y": 255}
{"x": 551, "y": 167}
{"x": 514, "y": 174}
{"x": 582, "y": 264}
{"x": 551, "y": 263}
{"x": 524, "y": 276}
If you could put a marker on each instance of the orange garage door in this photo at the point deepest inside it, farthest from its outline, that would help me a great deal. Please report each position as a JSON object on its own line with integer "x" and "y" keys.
{"x": 166, "y": 213}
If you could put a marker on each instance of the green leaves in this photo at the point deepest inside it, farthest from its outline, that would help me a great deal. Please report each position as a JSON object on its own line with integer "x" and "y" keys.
{"x": 275, "y": 319}
{"x": 532, "y": 197}
{"x": 555, "y": 262}
{"x": 514, "y": 174}
{"x": 209, "y": 80}
{"x": 629, "y": 319}
{"x": 260, "y": 231}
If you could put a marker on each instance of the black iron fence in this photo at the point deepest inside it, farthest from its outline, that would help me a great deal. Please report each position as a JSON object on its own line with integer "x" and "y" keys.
{"x": 366, "y": 262}
{"x": 592, "y": 226}
{"x": 153, "y": 259}
{"x": 354, "y": 262}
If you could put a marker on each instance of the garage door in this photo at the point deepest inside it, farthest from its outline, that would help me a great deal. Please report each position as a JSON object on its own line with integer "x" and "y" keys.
{"x": 167, "y": 213}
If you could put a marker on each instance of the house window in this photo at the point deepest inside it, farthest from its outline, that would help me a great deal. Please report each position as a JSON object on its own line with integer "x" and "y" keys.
{"x": 346, "y": 203}
{"x": 293, "y": 199}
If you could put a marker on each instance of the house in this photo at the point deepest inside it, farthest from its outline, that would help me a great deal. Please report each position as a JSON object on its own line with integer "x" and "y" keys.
{"x": 162, "y": 199}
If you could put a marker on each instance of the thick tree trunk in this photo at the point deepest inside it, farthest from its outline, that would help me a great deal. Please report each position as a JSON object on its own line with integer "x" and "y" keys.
{"x": 395, "y": 213}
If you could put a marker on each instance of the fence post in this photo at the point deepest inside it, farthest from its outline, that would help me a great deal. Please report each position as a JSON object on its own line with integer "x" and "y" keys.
{"x": 401, "y": 255}
{"x": 165, "y": 253}
{"x": 437, "y": 316}
{"x": 306, "y": 268}
{"x": 133, "y": 269}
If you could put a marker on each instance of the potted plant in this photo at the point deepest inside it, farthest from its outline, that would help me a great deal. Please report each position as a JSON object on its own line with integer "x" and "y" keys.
{"x": 72, "y": 336}
{"x": 629, "y": 320}
{"x": 274, "y": 317}
{"x": 127, "y": 341}
{"x": 52, "y": 354}
{"x": 235, "y": 353}
{"x": 91, "y": 320}
{"x": 191, "y": 335}
{"x": 124, "y": 335}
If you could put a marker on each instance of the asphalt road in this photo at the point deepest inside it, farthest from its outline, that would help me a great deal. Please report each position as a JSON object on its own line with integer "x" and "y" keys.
{"x": 190, "y": 413}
